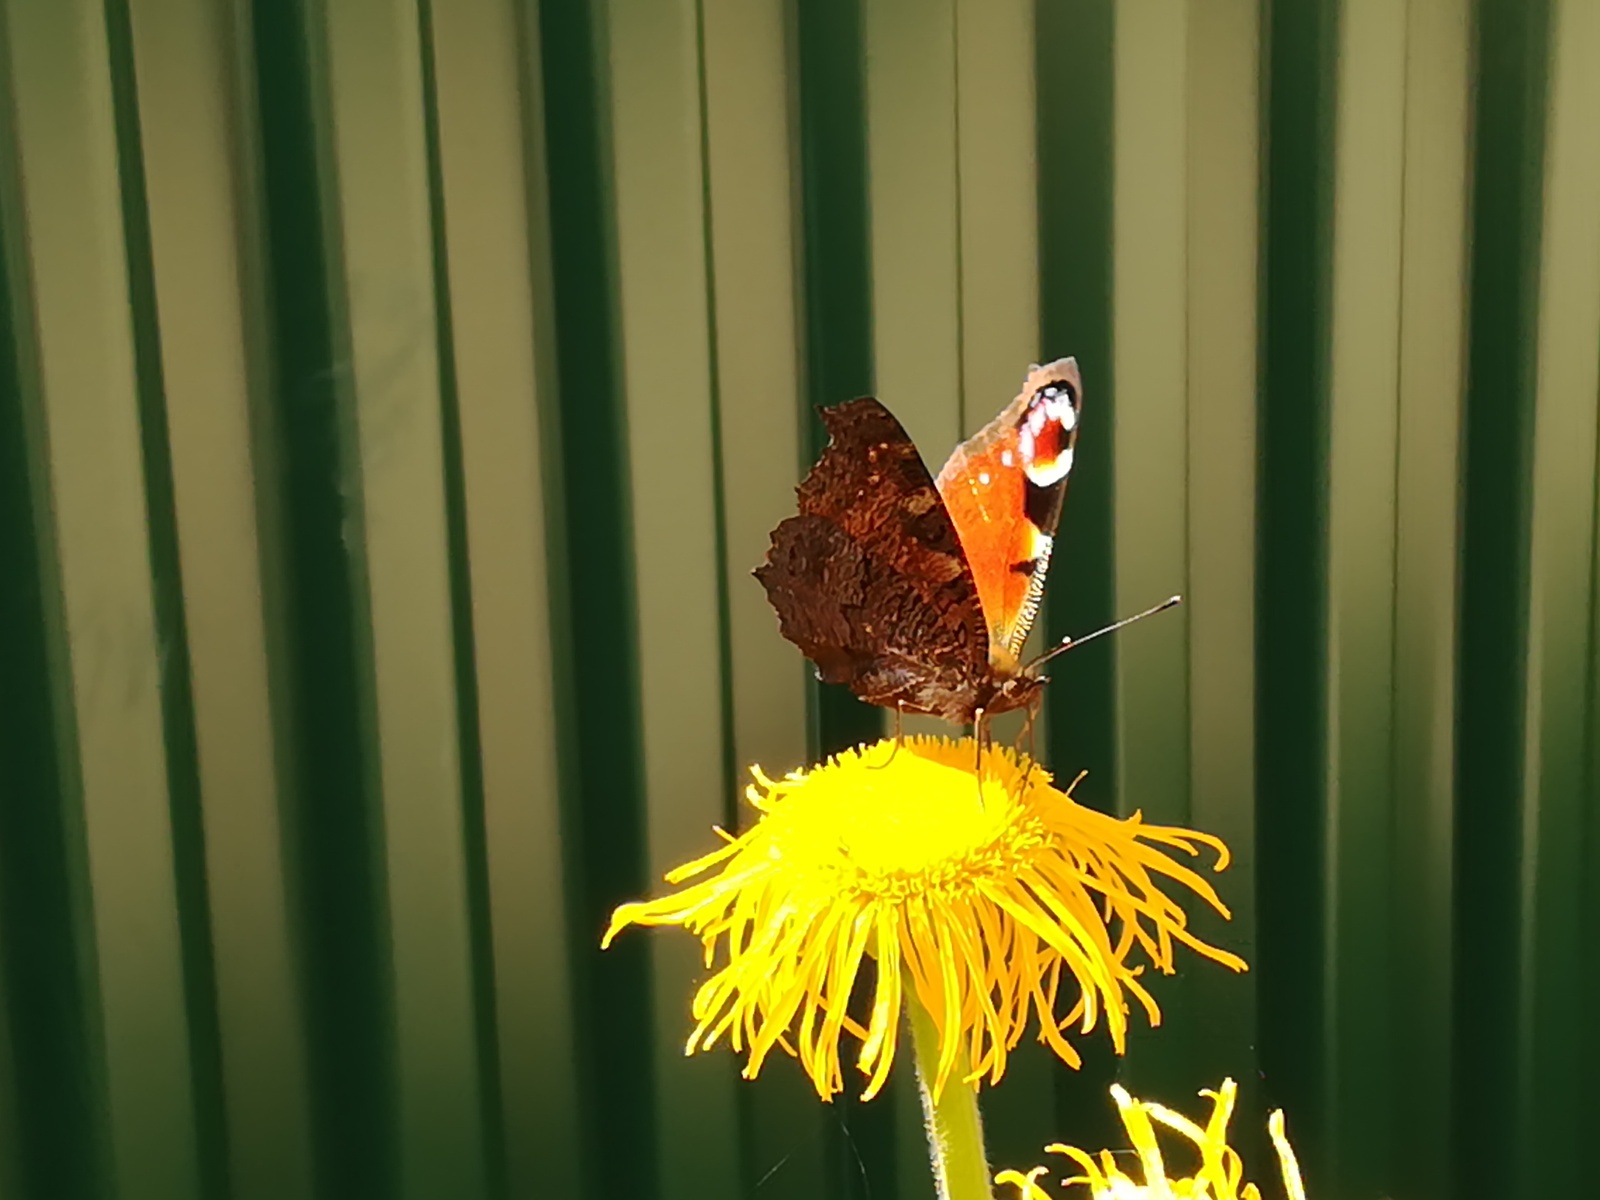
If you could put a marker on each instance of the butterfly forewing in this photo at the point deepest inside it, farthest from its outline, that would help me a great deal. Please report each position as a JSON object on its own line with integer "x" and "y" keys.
{"x": 1003, "y": 489}
{"x": 869, "y": 579}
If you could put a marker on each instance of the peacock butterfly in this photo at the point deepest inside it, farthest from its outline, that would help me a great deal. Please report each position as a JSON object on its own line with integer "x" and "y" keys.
{"x": 916, "y": 592}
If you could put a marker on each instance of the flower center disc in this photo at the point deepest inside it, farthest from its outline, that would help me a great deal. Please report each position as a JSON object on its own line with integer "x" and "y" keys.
{"x": 919, "y": 813}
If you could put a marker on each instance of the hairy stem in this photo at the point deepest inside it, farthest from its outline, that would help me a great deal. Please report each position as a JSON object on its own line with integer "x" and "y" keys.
{"x": 952, "y": 1121}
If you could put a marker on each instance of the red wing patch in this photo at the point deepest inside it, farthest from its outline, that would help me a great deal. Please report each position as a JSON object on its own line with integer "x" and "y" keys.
{"x": 1003, "y": 488}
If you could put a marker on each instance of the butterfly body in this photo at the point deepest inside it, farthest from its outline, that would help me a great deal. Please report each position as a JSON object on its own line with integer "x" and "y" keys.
{"x": 918, "y": 594}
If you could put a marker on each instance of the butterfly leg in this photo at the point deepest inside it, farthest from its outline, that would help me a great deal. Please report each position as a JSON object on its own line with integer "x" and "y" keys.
{"x": 1029, "y": 729}
{"x": 899, "y": 731}
{"x": 1026, "y": 733}
{"x": 980, "y": 740}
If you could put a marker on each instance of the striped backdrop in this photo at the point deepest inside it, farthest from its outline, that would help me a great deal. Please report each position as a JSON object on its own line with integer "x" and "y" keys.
{"x": 395, "y": 394}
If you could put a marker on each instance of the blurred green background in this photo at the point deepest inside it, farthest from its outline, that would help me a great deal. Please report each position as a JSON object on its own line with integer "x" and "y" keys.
{"x": 395, "y": 394}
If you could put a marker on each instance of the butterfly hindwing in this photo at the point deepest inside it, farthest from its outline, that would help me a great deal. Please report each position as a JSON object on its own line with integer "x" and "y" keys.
{"x": 870, "y": 581}
{"x": 1003, "y": 489}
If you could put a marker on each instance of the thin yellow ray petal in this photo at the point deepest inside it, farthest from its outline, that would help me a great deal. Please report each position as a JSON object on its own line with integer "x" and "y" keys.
{"x": 1290, "y": 1167}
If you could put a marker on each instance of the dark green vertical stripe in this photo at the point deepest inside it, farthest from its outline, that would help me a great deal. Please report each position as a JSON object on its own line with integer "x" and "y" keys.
{"x": 1508, "y": 178}
{"x": 1290, "y": 703}
{"x": 52, "y": 1025}
{"x": 474, "y": 827}
{"x": 608, "y": 815}
{"x": 177, "y": 701}
{"x": 1552, "y": 1102}
{"x": 10, "y": 1129}
{"x": 1073, "y": 66}
{"x": 1588, "y": 973}
{"x": 333, "y": 813}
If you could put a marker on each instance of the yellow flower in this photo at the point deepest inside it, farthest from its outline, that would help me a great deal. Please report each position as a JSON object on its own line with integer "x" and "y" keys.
{"x": 1218, "y": 1175}
{"x": 980, "y": 897}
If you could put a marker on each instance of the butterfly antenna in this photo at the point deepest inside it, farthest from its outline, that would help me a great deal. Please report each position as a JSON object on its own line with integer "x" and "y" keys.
{"x": 1074, "y": 643}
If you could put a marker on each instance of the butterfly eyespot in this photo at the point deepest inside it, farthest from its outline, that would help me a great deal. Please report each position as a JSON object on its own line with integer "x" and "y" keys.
{"x": 1056, "y": 403}
{"x": 1056, "y": 391}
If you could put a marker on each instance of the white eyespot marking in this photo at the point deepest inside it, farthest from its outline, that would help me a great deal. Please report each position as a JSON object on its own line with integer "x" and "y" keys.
{"x": 983, "y": 478}
{"x": 1046, "y": 473}
{"x": 1057, "y": 406}
{"x": 1007, "y": 458}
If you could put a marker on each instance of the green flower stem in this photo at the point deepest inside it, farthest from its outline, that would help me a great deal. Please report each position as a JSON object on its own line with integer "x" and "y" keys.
{"x": 955, "y": 1128}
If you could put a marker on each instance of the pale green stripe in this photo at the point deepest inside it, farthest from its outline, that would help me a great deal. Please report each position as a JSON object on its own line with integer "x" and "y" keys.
{"x": 999, "y": 304}
{"x": 750, "y": 184}
{"x": 915, "y": 227}
{"x": 1151, "y": 368}
{"x": 667, "y": 378}
{"x": 71, "y": 191}
{"x": 998, "y": 205}
{"x": 208, "y": 324}
{"x": 1556, "y": 788}
{"x": 1363, "y": 414}
{"x": 1432, "y": 315}
{"x": 496, "y": 273}
{"x": 998, "y": 227}
{"x": 376, "y": 107}
{"x": 914, "y": 205}
{"x": 1150, "y": 472}
{"x": 1222, "y": 179}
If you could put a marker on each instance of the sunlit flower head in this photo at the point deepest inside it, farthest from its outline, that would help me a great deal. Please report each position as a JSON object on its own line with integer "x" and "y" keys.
{"x": 1217, "y": 1176}
{"x": 985, "y": 900}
